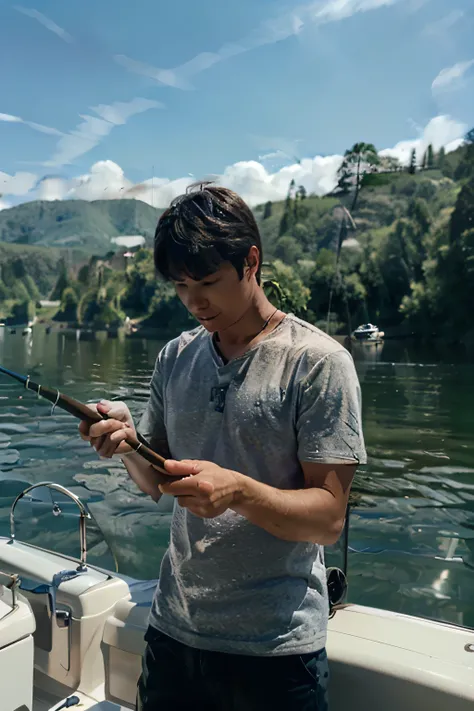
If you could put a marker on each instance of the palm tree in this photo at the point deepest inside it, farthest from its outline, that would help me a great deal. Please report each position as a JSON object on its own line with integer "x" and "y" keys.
{"x": 356, "y": 163}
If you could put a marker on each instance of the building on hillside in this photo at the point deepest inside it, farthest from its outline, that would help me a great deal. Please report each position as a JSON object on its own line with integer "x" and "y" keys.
{"x": 127, "y": 244}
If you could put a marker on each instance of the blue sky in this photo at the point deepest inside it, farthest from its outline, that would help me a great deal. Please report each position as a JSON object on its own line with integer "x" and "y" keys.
{"x": 105, "y": 95}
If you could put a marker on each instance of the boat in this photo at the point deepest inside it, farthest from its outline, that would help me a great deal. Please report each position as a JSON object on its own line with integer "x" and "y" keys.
{"x": 72, "y": 634}
{"x": 368, "y": 333}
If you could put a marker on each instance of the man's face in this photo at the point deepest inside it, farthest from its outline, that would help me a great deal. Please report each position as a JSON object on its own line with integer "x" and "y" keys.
{"x": 219, "y": 300}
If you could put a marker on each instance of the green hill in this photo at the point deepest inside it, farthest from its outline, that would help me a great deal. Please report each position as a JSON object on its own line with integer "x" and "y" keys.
{"x": 77, "y": 224}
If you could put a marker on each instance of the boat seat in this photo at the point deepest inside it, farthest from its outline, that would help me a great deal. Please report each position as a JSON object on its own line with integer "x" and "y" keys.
{"x": 17, "y": 624}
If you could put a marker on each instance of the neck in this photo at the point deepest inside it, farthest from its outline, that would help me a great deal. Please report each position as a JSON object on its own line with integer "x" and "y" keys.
{"x": 250, "y": 323}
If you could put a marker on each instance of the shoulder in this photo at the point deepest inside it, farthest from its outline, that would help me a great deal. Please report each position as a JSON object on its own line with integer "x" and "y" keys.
{"x": 310, "y": 347}
{"x": 186, "y": 342}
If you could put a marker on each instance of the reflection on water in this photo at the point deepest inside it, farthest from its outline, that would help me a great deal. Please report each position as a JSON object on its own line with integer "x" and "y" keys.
{"x": 411, "y": 535}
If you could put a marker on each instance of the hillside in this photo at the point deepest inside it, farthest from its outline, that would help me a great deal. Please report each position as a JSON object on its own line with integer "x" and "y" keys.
{"x": 77, "y": 224}
{"x": 294, "y": 230}
{"x": 401, "y": 255}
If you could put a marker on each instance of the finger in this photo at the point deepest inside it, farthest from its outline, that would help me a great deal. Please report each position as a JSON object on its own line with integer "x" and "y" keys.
{"x": 115, "y": 410}
{"x": 119, "y": 435}
{"x": 105, "y": 427}
{"x": 104, "y": 407}
{"x": 205, "y": 487}
{"x": 97, "y": 442}
{"x": 108, "y": 449}
{"x": 181, "y": 487}
{"x": 117, "y": 442}
{"x": 202, "y": 511}
{"x": 109, "y": 445}
{"x": 185, "y": 467}
{"x": 186, "y": 501}
{"x": 84, "y": 430}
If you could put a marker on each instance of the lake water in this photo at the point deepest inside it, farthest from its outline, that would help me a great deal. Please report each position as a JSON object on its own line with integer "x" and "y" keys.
{"x": 411, "y": 534}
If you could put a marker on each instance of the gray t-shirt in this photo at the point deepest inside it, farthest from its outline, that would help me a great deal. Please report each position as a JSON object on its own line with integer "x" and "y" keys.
{"x": 226, "y": 584}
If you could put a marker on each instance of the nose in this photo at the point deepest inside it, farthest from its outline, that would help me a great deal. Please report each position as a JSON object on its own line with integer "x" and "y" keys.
{"x": 197, "y": 302}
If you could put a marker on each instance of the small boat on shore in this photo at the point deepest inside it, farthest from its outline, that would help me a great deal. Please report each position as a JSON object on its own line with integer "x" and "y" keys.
{"x": 368, "y": 333}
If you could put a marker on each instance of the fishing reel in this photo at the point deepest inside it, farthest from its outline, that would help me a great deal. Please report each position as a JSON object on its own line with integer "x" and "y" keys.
{"x": 336, "y": 581}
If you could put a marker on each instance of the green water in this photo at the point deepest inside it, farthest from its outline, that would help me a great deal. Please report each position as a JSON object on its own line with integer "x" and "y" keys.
{"x": 411, "y": 536}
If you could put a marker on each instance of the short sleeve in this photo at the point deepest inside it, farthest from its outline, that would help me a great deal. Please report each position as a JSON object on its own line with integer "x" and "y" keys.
{"x": 329, "y": 413}
{"x": 152, "y": 423}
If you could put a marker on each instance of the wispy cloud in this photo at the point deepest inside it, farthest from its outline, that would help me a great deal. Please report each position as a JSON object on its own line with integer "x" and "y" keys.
{"x": 289, "y": 24}
{"x": 442, "y": 26}
{"x": 8, "y": 118}
{"x": 252, "y": 180}
{"x": 92, "y": 129}
{"x": 46, "y": 22}
{"x": 450, "y": 77}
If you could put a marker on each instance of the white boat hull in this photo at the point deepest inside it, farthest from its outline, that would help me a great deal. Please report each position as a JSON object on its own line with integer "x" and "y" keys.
{"x": 377, "y": 658}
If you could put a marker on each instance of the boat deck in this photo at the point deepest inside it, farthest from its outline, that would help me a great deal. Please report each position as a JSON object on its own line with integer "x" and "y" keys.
{"x": 86, "y": 703}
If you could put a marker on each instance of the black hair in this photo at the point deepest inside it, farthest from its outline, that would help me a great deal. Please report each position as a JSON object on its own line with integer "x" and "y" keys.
{"x": 202, "y": 229}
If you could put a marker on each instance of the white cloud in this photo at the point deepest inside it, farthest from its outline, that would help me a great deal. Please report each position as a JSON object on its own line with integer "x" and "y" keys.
{"x": 92, "y": 130}
{"x": 46, "y": 22}
{"x": 288, "y": 24}
{"x": 250, "y": 179}
{"x": 8, "y": 118}
{"x": 440, "y": 131}
{"x": 4, "y": 205}
{"x": 450, "y": 77}
{"x": 17, "y": 184}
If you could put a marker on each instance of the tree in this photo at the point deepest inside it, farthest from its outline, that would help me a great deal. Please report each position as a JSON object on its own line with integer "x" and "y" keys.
{"x": 357, "y": 161}
{"x": 462, "y": 218}
{"x": 83, "y": 275}
{"x": 442, "y": 158}
{"x": 22, "y": 312}
{"x": 465, "y": 169}
{"x": 344, "y": 178}
{"x": 288, "y": 217}
{"x": 412, "y": 166}
{"x": 69, "y": 305}
{"x": 288, "y": 250}
{"x": 267, "y": 211}
{"x": 62, "y": 282}
{"x": 429, "y": 157}
{"x": 285, "y": 289}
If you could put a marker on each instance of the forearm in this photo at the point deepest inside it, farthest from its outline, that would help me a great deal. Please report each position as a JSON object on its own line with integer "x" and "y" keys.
{"x": 302, "y": 515}
{"x": 143, "y": 474}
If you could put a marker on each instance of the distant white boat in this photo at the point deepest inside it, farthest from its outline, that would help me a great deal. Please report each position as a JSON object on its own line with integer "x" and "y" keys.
{"x": 368, "y": 332}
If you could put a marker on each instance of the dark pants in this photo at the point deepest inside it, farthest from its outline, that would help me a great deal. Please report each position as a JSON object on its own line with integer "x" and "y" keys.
{"x": 176, "y": 677}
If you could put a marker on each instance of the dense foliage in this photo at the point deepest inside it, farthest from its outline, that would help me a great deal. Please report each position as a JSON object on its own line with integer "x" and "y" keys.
{"x": 392, "y": 244}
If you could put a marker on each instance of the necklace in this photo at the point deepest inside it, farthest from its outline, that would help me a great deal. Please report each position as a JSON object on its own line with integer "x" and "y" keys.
{"x": 217, "y": 339}
{"x": 265, "y": 324}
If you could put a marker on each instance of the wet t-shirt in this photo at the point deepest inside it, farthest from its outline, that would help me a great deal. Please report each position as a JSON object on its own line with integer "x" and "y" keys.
{"x": 226, "y": 584}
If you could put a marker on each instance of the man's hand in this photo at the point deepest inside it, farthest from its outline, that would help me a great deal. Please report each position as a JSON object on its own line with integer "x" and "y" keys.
{"x": 207, "y": 489}
{"x": 107, "y": 437}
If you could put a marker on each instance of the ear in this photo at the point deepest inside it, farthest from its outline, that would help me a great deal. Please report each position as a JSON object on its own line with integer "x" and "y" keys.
{"x": 252, "y": 261}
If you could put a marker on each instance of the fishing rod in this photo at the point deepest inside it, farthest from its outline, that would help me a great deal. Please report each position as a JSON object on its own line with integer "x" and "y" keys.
{"x": 87, "y": 414}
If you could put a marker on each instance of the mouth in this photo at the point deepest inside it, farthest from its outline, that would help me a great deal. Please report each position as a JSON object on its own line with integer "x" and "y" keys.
{"x": 208, "y": 319}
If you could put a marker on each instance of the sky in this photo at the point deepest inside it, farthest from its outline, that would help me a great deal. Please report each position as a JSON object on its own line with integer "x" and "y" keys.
{"x": 116, "y": 99}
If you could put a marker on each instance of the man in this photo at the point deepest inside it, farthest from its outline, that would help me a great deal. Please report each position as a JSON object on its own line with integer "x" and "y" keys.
{"x": 260, "y": 415}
